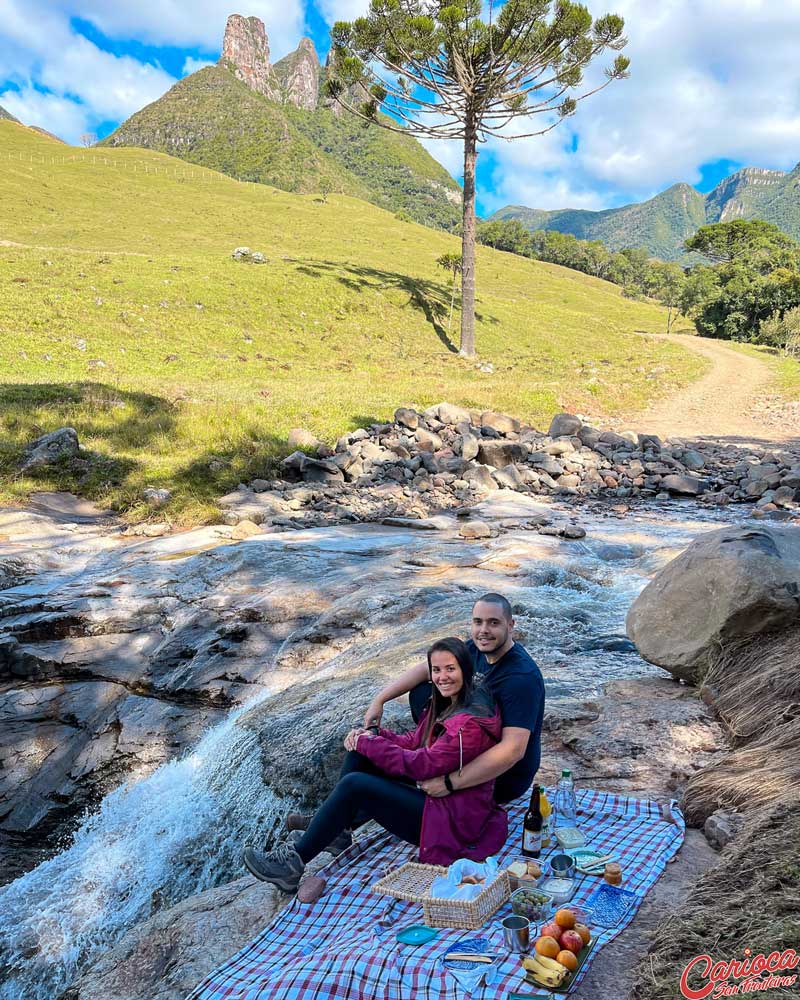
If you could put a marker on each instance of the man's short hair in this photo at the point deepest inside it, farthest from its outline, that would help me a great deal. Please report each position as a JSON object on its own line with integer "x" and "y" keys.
{"x": 500, "y": 601}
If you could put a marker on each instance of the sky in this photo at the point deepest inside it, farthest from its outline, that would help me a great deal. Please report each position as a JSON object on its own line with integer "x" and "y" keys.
{"x": 714, "y": 86}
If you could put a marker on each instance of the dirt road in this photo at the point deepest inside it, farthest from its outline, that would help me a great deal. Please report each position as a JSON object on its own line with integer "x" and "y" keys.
{"x": 723, "y": 403}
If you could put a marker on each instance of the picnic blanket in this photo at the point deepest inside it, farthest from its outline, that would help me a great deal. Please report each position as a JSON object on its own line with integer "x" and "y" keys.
{"x": 343, "y": 947}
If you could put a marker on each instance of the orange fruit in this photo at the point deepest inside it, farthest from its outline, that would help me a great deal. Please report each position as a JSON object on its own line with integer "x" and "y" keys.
{"x": 568, "y": 959}
{"x": 548, "y": 947}
{"x": 565, "y": 919}
{"x": 584, "y": 932}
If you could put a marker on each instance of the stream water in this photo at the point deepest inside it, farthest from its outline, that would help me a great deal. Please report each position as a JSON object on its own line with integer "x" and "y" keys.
{"x": 158, "y": 840}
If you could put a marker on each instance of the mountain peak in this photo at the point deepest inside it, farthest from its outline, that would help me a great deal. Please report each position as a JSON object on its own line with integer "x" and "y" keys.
{"x": 7, "y": 115}
{"x": 298, "y": 76}
{"x": 245, "y": 51}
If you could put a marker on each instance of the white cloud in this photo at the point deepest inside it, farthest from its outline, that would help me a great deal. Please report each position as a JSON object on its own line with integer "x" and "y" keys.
{"x": 710, "y": 80}
{"x": 342, "y": 10}
{"x": 192, "y": 65}
{"x": 39, "y": 51}
{"x": 61, "y": 116}
{"x": 199, "y": 23}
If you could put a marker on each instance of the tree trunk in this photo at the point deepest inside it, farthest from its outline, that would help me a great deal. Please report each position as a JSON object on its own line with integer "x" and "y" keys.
{"x": 468, "y": 243}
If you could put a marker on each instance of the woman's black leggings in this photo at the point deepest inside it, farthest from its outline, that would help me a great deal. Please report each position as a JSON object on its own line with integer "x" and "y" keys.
{"x": 364, "y": 792}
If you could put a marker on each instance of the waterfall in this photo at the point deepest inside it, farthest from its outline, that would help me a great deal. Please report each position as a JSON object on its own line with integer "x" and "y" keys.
{"x": 172, "y": 834}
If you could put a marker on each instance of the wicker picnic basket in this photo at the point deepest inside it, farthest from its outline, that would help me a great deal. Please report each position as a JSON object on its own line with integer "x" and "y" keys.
{"x": 413, "y": 882}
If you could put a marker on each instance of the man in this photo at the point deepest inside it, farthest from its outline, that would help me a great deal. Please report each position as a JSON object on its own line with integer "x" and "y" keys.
{"x": 516, "y": 683}
{"x": 514, "y": 680}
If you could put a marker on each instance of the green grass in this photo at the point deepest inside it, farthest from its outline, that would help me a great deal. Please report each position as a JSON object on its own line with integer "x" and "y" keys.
{"x": 206, "y": 363}
{"x": 785, "y": 370}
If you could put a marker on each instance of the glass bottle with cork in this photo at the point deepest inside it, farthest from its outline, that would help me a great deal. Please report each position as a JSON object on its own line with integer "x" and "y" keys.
{"x": 532, "y": 826}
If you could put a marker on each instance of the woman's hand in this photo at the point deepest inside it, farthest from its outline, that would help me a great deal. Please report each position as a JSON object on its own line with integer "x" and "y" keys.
{"x": 351, "y": 740}
{"x": 372, "y": 716}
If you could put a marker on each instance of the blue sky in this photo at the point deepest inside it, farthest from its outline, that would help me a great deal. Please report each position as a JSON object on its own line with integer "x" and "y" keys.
{"x": 714, "y": 86}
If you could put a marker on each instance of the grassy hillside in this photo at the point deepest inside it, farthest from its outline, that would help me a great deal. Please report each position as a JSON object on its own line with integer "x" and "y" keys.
{"x": 123, "y": 315}
{"x": 212, "y": 119}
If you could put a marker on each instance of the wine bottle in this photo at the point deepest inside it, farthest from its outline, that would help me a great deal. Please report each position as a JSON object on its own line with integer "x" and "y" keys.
{"x": 532, "y": 826}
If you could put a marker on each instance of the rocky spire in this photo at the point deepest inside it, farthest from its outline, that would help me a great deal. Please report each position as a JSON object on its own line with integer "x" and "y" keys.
{"x": 298, "y": 75}
{"x": 245, "y": 51}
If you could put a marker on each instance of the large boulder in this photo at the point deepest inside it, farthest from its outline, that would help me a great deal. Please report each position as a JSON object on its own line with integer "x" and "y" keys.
{"x": 728, "y": 584}
{"x": 501, "y": 453}
{"x": 165, "y": 957}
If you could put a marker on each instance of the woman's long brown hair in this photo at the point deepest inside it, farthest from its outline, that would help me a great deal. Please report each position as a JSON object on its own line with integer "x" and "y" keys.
{"x": 439, "y": 706}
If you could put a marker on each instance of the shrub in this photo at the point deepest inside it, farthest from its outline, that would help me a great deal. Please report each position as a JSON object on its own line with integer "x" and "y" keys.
{"x": 782, "y": 331}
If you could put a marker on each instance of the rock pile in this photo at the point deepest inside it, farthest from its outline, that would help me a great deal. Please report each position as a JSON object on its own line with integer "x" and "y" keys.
{"x": 447, "y": 457}
{"x": 249, "y": 256}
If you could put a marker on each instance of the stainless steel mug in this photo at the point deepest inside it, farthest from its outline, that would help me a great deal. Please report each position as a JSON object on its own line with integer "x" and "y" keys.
{"x": 517, "y": 934}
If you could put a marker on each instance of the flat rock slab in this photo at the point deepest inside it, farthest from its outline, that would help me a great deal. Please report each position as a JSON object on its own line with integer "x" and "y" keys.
{"x": 506, "y": 505}
{"x": 67, "y": 507}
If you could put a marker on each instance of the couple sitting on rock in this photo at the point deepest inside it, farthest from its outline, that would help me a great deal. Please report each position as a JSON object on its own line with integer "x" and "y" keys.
{"x": 478, "y": 707}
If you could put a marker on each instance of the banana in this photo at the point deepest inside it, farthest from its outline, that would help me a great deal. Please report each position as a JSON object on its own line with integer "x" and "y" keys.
{"x": 551, "y": 980}
{"x": 551, "y": 964}
{"x": 544, "y": 971}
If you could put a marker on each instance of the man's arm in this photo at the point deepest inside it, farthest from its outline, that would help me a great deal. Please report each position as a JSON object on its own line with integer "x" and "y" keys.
{"x": 491, "y": 763}
{"x": 394, "y": 689}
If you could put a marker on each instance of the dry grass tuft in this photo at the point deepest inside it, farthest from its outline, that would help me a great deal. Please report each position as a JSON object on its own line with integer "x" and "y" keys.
{"x": 756, "y": 685}
{"x": 750, "y": 900}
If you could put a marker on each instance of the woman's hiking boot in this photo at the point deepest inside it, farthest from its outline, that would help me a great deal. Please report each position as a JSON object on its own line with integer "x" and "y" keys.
{"x": 282, "y": 866}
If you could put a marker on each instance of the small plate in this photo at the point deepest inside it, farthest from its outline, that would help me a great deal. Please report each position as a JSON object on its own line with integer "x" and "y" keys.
{"x": 417, "y": 934}
{"x": 585, "y": 857}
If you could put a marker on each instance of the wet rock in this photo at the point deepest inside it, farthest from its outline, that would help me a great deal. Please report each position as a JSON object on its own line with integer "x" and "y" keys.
{"x": 50, "y": 448}
{"x": 728, "y": 584}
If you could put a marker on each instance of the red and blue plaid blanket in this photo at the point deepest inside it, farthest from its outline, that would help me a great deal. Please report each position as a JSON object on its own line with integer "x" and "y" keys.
{"x": 343, "y": 947}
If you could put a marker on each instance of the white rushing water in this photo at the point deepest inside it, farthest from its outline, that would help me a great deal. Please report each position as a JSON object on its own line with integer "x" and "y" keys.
{"x": 167, "y": 836}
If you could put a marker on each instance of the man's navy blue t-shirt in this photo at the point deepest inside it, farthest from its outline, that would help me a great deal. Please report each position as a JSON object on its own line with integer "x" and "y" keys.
{"x": 517, "y": 686}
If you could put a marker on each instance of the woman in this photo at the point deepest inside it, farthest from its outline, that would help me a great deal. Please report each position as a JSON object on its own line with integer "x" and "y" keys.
{"x": 459, "y": 724}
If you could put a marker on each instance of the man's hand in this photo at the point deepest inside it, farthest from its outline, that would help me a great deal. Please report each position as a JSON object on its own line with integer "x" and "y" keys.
{"x": 372, "y": 716}
{"x": 435, "y": 787}
{"x": 351, "y": 740}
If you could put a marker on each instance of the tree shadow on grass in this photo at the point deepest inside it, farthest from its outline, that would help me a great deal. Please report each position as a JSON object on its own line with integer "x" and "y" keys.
{"x": 120, "y": 420}
{"x": 431, "y": 298}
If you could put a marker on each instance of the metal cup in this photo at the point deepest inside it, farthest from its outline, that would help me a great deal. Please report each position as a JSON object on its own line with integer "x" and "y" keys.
{"x": 517, "y": 934}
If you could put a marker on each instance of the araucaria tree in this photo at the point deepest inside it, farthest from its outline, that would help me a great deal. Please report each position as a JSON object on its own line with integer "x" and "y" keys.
{"x": 436, "y": 69}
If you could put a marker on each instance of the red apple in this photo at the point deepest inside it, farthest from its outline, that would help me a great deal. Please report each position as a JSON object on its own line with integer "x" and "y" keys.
{"x": 572, "y": 940}
{"x": 553, "y": 930}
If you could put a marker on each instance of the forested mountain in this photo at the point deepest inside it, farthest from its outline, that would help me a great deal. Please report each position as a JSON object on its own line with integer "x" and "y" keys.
{"x": 267, "y": 123}
{"x": 664, "y": 222}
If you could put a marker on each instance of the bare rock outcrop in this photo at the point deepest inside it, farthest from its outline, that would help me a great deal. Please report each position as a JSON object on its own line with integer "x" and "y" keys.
{"x": 245, "y": 52}
{"x": 165, "y": 957}
{"x": 728, "y": 585}
{"x": 298, "y": 76}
